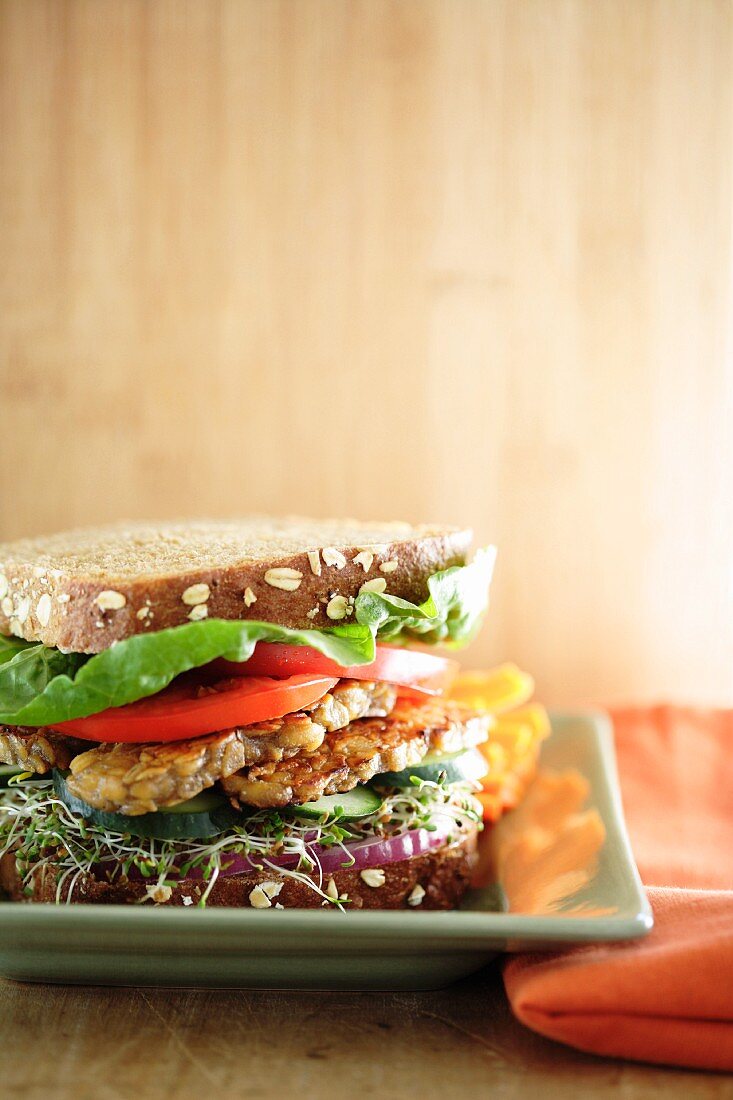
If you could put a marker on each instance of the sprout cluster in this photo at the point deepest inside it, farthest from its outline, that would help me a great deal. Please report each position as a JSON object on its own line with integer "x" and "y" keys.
{"x": 45, "y": 836}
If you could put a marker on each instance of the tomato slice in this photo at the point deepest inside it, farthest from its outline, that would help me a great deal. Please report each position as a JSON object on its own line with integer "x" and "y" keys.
{"x": 424, "y": 672}
{"x": 191, "y": 707}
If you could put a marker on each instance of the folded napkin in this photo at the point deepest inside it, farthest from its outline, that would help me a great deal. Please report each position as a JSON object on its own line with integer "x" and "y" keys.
{"x": 668, "y": 997}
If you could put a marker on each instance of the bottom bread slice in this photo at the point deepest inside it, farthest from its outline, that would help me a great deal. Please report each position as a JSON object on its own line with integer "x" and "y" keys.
{"x": 434, "y": 880}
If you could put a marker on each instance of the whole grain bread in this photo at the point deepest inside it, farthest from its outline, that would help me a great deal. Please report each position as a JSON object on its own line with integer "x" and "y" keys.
{"x": 84, "y": 590}
{"x": 435, "y": 880}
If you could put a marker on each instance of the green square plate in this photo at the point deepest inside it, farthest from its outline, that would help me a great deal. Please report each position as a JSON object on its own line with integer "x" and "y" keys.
{"x": 296, "y": 949}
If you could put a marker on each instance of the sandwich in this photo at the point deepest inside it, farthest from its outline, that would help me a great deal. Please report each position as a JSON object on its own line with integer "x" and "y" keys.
{"x": 255, "y": 713}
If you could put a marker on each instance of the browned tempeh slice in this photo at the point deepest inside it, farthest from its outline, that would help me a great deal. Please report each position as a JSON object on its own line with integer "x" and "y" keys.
{"x": 37, "y": 750}
{"x": 361, "y": 750}
{"x": 136, "y": 779}
{"x": 352, "y": 699}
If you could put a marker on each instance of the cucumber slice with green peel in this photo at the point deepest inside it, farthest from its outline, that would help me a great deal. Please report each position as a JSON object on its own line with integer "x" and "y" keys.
{"x": 7, "y": 771}
{"x": 360, "y": 802}
{"x": 204, "y": 802}
{"x": 206, "y": 814}
{"x": 457, "y": 767}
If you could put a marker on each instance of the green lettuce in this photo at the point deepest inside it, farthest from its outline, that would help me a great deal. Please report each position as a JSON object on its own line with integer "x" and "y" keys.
{"x": 41, "y": 686}
{"x": 452, "y": 613}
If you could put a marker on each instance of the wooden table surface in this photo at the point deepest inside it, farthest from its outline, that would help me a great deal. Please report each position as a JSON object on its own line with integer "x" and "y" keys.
{"x": 89, "y": 1042}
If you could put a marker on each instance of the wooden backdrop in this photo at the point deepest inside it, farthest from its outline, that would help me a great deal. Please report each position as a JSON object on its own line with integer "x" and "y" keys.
{"x": 465, "y": 260}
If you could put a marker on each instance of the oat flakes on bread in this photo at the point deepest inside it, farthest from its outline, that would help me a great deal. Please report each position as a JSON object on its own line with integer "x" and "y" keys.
{"x": 434, "y": 880}
{"x": 82, "y": 590}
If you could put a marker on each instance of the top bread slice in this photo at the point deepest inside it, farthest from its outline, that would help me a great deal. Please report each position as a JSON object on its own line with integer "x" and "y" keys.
{"x": 83, "y": 590}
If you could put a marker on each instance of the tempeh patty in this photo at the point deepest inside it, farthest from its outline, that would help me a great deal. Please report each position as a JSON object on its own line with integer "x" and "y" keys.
{"x": 136, "y": 779}
{"x": 360, "y": 751}
{"x": 352, "y": 699}
{"x": 36, "y": 750}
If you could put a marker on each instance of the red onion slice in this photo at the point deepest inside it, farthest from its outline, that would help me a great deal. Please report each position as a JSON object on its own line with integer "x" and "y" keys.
{"x": 371, "y": 852}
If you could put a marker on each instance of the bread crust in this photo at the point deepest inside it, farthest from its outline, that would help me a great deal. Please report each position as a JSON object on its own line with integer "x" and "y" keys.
{"x": 444, "y": 875}
{"x": 81, "y": 604}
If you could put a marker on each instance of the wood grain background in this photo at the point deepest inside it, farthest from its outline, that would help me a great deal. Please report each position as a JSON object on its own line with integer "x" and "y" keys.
{"x": 437, "y": 259}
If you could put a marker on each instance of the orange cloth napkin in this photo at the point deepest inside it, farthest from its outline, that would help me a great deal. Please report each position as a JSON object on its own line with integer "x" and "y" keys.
{"x": 668, "y": 997}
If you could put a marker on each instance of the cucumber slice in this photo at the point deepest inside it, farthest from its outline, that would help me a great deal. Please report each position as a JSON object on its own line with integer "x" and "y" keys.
{"x": 7, "y": 771}
{"x": 207, "y": 814}
{"x": 347, "y": 807}
{"x": 204, "y": 802}
{"x": 456, "y": 766}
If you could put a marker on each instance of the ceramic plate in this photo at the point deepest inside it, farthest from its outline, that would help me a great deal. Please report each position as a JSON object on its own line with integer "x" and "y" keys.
{"x": 558, "y": 870}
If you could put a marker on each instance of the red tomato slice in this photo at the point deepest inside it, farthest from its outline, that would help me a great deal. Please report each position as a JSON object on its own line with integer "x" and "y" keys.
{"x": 190, "y": 708}
{"x": 414, "y": 668}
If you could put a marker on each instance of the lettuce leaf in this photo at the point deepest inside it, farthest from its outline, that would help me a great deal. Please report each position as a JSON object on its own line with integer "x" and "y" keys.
{"x": 452, "y": 613}
{"x": 9, "y": 647}
{"x": 41, "y": 686}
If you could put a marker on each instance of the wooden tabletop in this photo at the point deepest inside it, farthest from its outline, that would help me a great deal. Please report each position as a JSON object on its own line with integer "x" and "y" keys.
{"x": 90, "y": 1042}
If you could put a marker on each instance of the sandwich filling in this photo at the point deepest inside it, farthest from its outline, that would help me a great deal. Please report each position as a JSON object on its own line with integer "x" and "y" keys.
{"x": 49, "y": 838}
{"x": 224, "y": 747}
